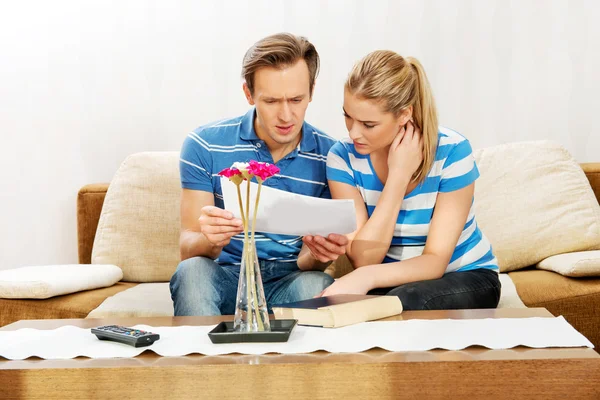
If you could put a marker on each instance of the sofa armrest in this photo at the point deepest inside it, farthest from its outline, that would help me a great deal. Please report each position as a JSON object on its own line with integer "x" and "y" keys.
{"x": 592, "y": 171}
{"x": 89, "y": 206}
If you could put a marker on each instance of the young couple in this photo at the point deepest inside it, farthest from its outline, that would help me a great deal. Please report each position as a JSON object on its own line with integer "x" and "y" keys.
{"x": 412, "y": 183}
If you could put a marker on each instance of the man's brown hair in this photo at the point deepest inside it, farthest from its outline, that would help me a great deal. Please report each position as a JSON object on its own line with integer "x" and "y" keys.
{"x": 278, "y": 51}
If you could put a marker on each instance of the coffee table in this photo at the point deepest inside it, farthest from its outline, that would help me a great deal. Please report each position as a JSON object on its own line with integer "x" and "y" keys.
{"x": 475, "y": 372}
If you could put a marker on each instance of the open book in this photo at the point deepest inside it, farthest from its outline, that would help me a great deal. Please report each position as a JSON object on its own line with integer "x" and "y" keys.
{"x": 339, "y": 310}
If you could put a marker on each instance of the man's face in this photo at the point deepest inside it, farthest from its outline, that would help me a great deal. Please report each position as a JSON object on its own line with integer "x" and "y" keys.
{"x": 281, "y": 96}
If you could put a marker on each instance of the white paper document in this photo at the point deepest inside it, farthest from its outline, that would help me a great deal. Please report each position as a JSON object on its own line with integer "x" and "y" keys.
{"x": 412, "y": 335}
{"x": 288, "y": 213}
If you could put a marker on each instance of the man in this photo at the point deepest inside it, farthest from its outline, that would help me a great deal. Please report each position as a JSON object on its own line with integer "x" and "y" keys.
{"x": 279, "y": 73}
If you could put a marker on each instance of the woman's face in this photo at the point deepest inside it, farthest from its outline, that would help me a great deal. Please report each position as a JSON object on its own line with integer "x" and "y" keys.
{"x": 369, "y": 127}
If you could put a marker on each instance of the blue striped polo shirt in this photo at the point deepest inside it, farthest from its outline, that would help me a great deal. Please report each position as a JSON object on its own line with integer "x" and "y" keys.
{"x": 210, "y": 148}
{"x": 454, "y": 168}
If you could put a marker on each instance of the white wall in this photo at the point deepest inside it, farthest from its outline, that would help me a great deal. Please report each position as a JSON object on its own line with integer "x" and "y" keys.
{"x": 85, "y": 83}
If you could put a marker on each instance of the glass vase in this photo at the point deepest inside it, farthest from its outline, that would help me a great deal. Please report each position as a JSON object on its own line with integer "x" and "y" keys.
{"x": 251, "y": 313}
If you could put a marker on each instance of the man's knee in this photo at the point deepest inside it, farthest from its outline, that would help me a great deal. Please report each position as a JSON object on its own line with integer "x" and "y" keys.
{"x": 311, "y": 283}
{"x": 195, "y": 267}
{"x": 194, "y": 287}
{"x": 193, "y": 272}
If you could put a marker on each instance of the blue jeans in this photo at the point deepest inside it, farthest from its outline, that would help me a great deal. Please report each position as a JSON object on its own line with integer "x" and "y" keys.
{"x": 478, "y": 288}
{"x": 200, "y": 286}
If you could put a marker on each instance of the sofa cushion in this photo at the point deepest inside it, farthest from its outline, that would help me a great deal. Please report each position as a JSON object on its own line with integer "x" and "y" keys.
{"x": 143, "y": 300}
{"x": 44, "y": 281}
{"x": 76, "y": 305}
{"x": 154, "y": 300}
{"x": 139, "y": 225}
{"x": 537, "y": 287}
{"x": 509, "y": 298}
{"x": 533, "y": 201}
{"x": 578, "y": 264}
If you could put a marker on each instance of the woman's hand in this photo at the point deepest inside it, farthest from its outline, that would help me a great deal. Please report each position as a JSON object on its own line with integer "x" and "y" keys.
{"x": 326, "y": 249}
{"x": 406, "y": 152}
{"x": 356, "y": 282}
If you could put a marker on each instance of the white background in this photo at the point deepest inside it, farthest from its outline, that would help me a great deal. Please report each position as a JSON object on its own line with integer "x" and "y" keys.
{"x": 83, "y": 84}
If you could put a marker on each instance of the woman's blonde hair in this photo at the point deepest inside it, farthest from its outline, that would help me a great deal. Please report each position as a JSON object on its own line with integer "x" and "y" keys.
{"x": 397, "y": 83}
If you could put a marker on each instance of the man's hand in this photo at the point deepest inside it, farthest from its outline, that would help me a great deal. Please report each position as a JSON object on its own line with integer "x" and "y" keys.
{"x": 218, "y": 225}
{"x": 326, "y": 249}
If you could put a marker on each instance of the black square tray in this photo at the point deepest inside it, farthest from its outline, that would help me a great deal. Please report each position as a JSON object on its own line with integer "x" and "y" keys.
{"x": 280, "y": 332}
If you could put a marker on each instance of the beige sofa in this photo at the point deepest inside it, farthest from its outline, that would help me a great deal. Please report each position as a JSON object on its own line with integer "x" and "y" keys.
{"x": 134, "y": 223}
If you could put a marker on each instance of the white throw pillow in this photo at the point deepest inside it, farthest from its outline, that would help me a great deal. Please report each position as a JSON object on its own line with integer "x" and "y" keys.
{"x": 139, "y": 225}
{"x": 143, "y": 300}
{"x": 582, "y": 263}
{"x": 44, "y": 281}
{"x": 534, "y": 201}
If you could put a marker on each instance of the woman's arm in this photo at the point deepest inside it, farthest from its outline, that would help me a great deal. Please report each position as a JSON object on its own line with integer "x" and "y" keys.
{"x": 448, "y": 221}
{"x": 371, "y": 241}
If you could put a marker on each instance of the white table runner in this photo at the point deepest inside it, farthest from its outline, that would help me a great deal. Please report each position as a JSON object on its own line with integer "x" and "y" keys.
{"x": 412, "y": 335}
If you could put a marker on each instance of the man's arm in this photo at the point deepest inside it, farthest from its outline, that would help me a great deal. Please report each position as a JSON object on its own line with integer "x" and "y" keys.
{"x": 205, "y": 229}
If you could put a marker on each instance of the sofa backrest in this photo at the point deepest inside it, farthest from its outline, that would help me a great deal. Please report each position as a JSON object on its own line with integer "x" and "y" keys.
{"x": 532, "y": 201}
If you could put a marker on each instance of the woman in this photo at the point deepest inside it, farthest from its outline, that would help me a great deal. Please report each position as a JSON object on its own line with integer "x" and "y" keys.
{"x": 412, "y": 183}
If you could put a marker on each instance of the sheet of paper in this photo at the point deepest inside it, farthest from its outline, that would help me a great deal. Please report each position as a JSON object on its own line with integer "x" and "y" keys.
{"x": 288, "y": 213}
{"x": 412, "y": 335}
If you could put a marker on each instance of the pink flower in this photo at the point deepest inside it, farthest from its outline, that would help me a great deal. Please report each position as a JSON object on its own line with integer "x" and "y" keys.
{"x": 229, "y": 172}
{"x": 234, "y": 175}
{"x": 262, "y": 170}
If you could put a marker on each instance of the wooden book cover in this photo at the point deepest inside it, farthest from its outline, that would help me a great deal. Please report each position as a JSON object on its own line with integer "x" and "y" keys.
{"x": 339, "y": 310}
